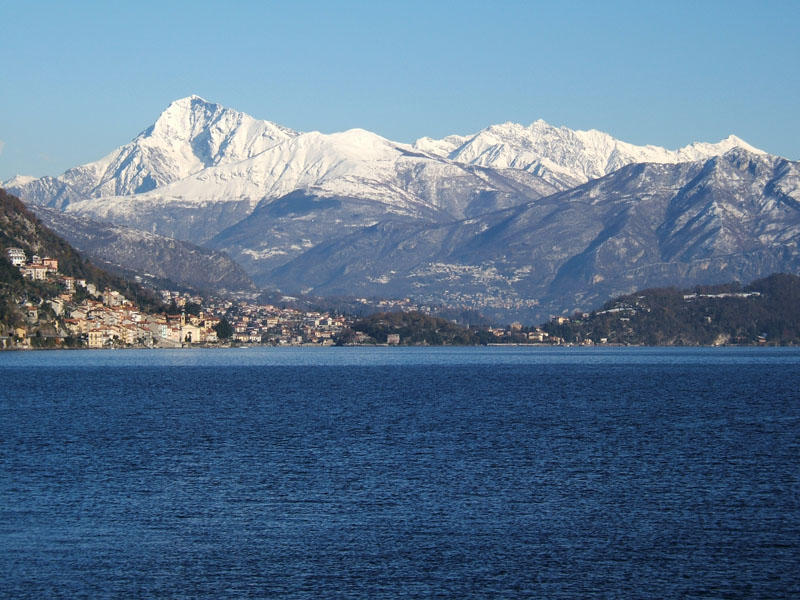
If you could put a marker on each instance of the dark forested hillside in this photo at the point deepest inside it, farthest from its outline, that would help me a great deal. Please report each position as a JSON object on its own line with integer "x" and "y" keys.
{"x": 415, "y": 328}
{"x": 765, "y": 312}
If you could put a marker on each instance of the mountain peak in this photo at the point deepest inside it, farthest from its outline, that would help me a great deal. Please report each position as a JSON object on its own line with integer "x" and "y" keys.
{"x": 190, "y": 135}
{"x": 188, "y": 105}
{"x": 744, "y": 158}
{"x": 188, "y": 101}
{"x": 733, "y": 141}
{"x": 186, "y": 115}
{"x": 191, "y": 98}
{"x": 18, "y": 180}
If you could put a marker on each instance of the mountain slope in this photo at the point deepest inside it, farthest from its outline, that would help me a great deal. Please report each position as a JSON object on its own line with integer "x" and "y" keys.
{"x": 645, "y": 225}
{"x": 131, "y": 250}
{"x": 764, "y": 312}
{"x": 45, "y": 191}
{"x": 281, "y": 229}
{"x": 20, "y": 228}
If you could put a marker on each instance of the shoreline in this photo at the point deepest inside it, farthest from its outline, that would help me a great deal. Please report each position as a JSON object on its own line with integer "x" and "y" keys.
{"x": 309, "y": 346}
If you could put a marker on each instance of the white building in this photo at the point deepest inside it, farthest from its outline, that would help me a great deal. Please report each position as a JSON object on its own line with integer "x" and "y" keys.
{"x": 16, "y": 256}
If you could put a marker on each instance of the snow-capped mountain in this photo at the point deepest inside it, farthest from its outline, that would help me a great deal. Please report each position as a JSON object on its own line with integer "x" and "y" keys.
{"x": 202, "y": 167}
{"x": 556, "y": 152}
{"x": 511, "y": 207}
{"x": 354, "y": 164}
{"x": 189, "y": 136}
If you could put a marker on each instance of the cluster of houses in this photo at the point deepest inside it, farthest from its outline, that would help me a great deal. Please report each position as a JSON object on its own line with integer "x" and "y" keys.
{"x": 534, "y": 335}
{"x": 102, "y": 319}
{"x": 106, "y": 319}
{"x": 41, "y": 268}
{"x": 117, "y": 322}
{"x": 269, "y": 324}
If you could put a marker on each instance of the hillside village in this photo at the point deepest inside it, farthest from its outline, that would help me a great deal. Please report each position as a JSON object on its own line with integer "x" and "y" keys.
{"x": 83, "y": 316}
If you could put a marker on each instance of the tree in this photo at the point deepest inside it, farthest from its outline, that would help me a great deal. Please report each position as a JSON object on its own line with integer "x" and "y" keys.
{"x": 224, "y": 329}
{"x": 192, "y": 308}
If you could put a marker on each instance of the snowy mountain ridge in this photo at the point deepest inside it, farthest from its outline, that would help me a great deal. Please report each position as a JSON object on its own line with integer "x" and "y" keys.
{"x": 199, "y": 142}
{"x": 584, "y": 155}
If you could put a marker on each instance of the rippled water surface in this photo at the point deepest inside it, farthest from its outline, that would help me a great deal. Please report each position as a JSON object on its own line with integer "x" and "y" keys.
{"x": 368, "y": 473}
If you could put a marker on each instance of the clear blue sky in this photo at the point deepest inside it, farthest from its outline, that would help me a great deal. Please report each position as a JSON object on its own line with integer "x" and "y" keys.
{"x": 78, "y": 79}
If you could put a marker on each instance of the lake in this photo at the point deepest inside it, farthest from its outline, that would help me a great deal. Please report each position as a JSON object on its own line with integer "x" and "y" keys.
{"x": 400, "y": 472}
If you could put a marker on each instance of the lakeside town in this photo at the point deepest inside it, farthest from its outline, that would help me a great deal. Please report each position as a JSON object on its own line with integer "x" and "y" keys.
{"x": 71, "y": 312}
{"x": 82, "y": 315}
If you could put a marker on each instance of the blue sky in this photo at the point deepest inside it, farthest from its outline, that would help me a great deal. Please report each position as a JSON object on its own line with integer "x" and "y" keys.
{"x": 78, "y": 79}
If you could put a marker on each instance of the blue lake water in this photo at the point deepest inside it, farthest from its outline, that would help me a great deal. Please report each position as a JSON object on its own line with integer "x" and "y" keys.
{"x": 391, "y": 472}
